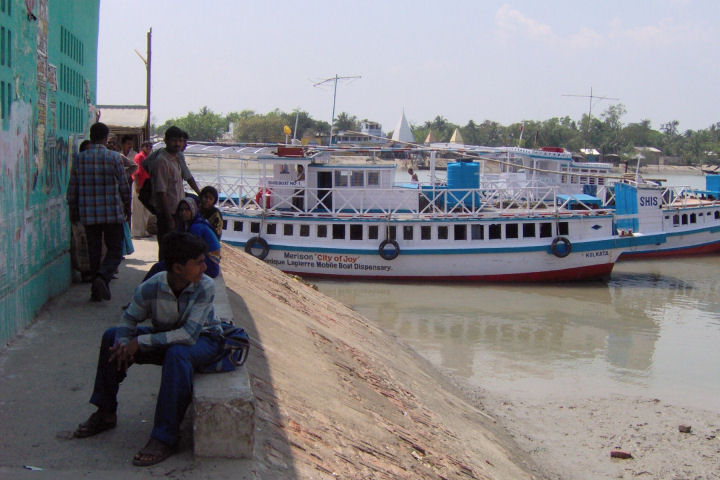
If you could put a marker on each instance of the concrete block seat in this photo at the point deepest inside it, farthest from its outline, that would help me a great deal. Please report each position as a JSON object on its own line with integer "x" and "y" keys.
{"x": 223, "y": 404}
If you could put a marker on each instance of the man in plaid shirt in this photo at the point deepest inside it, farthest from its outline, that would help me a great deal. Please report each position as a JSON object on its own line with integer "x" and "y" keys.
{"x": 178, "y": 305}
{"x": 98, "y": 196}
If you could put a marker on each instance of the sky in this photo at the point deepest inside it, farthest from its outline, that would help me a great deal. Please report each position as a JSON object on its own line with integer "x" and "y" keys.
{"x": 505, "y": 61}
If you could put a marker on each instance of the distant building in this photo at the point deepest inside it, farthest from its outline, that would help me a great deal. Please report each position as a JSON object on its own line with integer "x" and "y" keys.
{"x": 48, "y": 72}
{"x": 370, "y": 134}
{"x": 402, "y": 132}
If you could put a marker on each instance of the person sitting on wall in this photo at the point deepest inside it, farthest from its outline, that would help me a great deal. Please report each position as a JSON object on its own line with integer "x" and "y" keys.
{"x": 208, "y": 199}
{"x": 179, "y": 305}
{"x": 188, "y": 219}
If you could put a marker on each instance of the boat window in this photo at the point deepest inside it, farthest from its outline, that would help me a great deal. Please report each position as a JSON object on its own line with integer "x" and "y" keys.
{"x": 591, "y": 180}
{"x": 357, "y": 179}
{"x": 460, "y": 232}
{"x": 391, "y": 233}
{"x": 717, "y": 214}
{"x": 676, "y": 219}
{"x": 322, "y": 231}
{"x": 693, "y": 218}
{"x": 477, "y": 232}
{"x": 356, "y": 232}
{"x": 342, "y": 178}
{"x": 338, "y": 231}
{"x": 270, "y": 228}
{"x": 425, "y": 232}
{"x": 563, "y": 228}
{"x": 442, "y": 232}
{"x": 304, "y": 230}
{"x": 225, "y": 224}
{"x": 511, "y": 230}
{"x": 407, "y": 232}
{"x": 373, "y": 178}
{"x": 494, "y": 231}
{"x": 601, "y": 181}
{"x": 573, "y": 179}
{"x": 373, "y": 232}
{"x": 288, "y": 229}
{"x": 545, "y": 230}
{"x": 238, "y": 226}
{"x": 684, "y": 219}
{"x": 528, "y": 230}
{"x": 254, "y": 227}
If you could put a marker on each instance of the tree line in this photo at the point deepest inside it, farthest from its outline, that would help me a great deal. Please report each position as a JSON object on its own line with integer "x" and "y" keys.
{"x": 606, "y": 133}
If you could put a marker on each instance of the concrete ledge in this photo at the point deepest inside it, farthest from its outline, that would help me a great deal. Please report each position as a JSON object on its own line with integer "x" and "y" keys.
{"x": 223, "y": 404}
{"x": 224, "y": 415}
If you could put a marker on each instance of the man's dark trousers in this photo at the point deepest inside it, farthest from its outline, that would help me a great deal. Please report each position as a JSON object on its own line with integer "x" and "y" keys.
{"x": 113, "y": 235}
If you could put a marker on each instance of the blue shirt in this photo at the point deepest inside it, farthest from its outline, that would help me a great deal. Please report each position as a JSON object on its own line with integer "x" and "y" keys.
{"x": 175, "y": 320}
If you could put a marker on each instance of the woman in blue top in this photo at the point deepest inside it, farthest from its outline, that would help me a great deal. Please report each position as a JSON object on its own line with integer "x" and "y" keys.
{"x": 188, "y": 219}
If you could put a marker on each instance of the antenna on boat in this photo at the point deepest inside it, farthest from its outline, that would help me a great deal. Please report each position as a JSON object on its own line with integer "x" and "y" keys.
{"x": 335, "y": 81}
{"x": 590, "y": 97}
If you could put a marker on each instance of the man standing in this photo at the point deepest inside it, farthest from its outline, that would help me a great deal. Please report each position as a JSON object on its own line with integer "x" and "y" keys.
{"x": 167, "y": 183}
{"x": 140, "y": 214}
{"x": 99, "y": 197}
{"x": 179, "y": 305}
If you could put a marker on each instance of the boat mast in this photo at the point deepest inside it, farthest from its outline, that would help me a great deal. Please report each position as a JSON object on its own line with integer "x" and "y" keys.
{"x": 590, "y": 102}
{"x": 335, "y": 81}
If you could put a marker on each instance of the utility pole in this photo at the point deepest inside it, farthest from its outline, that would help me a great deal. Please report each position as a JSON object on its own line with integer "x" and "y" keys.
{"x": 591, "y": 97}
{"x": 148, "y": 69}
{"x": 335, "y": 81}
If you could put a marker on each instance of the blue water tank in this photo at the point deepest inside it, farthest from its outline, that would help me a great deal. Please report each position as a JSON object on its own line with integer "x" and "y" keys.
{"x": 463, "y": 176}
{"x": 712, "y": 182}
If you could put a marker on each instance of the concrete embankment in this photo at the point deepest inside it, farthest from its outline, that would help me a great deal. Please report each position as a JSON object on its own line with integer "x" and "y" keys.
{"x": 338, "y": 398}
{"x": 335, "y": 396}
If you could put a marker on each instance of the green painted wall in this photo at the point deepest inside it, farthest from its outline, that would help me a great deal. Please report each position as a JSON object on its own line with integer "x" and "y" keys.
{"x": 48, "y": 73}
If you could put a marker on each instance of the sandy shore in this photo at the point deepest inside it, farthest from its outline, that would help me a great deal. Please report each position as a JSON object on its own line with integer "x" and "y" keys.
{"x": 570, "y": 436}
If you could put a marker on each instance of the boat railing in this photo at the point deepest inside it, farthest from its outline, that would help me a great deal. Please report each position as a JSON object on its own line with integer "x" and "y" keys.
{"x": 423, "y": 201}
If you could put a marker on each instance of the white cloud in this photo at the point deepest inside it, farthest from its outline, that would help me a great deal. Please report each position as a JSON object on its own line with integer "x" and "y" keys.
{"x": 512, "y": 23}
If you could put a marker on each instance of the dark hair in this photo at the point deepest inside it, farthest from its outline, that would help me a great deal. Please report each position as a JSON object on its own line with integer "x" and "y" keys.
{"x": 173, "y": 132}
{"x": 98, "y": 131}
{"x": 211, "y": 190}
{"x": 179, "y": 247}
{"x": 185, "y": 135}
{"x": 125, "y": 138}
{"x": 84, "y": 145}
{"x": 146, "y": 144}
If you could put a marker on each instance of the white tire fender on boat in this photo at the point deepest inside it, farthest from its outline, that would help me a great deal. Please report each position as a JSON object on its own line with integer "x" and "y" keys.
{"x": 557, "y": 250}
{"x": 389, "y": 254}
{"x": 257, "y": 242}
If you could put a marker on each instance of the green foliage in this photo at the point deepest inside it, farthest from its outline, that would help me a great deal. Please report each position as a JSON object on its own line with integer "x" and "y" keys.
{"x": 202, "y": 126}
{"x": 608, "y": 133}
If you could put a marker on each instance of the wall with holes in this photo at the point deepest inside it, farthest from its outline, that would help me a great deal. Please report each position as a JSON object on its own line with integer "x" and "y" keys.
{"x": 48, "y": 65}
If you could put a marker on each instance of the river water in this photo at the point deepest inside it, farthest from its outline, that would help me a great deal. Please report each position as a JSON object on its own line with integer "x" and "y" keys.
{"x": 652, "y": 330}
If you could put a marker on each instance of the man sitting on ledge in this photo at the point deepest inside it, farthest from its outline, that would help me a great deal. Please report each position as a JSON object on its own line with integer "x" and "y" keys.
{"x": 179, "y": 304}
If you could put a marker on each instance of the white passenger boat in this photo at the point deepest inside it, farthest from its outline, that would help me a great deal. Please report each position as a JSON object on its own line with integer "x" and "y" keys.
{"x": 354, "y": 221}
{"x": 688, "y": 218}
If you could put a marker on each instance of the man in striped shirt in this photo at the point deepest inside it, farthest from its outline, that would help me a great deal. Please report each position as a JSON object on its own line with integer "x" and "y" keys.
{"x": 98, "y": 196}
{"x": 179, "y": 305}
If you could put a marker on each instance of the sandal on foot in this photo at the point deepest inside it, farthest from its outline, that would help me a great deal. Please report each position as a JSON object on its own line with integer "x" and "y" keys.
{"x": 152, "y": 453}
{"x": 94, "y": 425}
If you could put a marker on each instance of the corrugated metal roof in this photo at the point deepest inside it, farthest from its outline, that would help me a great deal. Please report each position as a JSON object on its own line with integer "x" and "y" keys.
{"x": 126, "y": 116}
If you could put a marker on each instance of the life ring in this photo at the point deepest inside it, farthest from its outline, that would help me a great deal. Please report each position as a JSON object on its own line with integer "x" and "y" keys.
{"x": 561, "y": 252}
{"x": 257, "y": 242}
{"x": 389, "y": 254}
{"x": 266, "y": 193}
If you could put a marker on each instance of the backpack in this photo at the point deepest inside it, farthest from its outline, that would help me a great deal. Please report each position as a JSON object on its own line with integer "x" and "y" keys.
{"x": 232, "y": 352}
{"x": 145, "y": 193}
{"x": 145, "y": 196}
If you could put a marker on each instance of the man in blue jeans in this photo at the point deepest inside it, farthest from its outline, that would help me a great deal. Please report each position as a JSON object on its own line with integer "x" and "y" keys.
{"x": 98, "y": 196}
{"x": 179, "y": 305}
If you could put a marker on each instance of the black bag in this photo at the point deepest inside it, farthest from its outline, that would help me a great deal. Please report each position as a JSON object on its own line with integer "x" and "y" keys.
{"x": 233, "y": 349}
{"x": 145, "y": 196}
